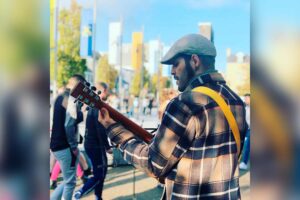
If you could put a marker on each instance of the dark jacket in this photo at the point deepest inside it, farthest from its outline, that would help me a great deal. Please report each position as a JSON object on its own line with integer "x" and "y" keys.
{"x": 64, "y": 130}
{"x": 95, "y": 133}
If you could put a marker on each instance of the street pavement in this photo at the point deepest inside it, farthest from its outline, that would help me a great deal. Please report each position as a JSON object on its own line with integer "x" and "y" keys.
{"x": 125, "y": 182}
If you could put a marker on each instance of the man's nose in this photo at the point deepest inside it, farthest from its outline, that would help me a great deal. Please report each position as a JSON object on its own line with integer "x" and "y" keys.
{"x": 173, "y": 70}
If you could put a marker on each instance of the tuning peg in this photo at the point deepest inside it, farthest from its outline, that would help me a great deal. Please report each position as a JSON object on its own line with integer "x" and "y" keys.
{"x": 99, "y": 92}
{"x": 93, "y": 88}
{"x": 87, "y": 84}
{"x": 80, "y": 104}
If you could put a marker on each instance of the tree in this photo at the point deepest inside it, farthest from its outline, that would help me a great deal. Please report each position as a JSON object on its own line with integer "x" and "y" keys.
{"x": 136, "y": 83}
{"x": 105, "y": 72}
{"x": 69, "y": 60}
{"x": 159, "y": 82}
{"x": 154, "y": 84}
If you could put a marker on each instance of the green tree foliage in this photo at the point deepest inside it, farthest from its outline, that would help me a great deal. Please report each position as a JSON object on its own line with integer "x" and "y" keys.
{"x": 69, "y": 60}
{"x": 168, "y": 83}
{"x": 136, "y": 83}
{"x": 52, "y": 65}
{"x": 105, "y": 72}
{"x": 154, "y": 84}
{"x": 135, "y": 86}
{"x": 23, "y": 39}
{"x": 158, "y": 82}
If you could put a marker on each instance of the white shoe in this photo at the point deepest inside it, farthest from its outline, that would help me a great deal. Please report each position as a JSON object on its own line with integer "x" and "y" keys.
{"x": 243, "y": 166}
{"x": 77, "y": 195}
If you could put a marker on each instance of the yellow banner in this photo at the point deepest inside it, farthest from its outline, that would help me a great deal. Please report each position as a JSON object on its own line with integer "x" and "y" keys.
{"x": 52, "y": 23}
{"x": 137, "y": 50}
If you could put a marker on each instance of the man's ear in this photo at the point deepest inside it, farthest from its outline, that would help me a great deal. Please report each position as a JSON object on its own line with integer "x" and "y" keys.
{"x": 195, "y": 61}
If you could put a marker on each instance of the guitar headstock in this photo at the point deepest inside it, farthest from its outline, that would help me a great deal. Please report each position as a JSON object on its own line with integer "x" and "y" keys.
{"x": 84, "y": 94}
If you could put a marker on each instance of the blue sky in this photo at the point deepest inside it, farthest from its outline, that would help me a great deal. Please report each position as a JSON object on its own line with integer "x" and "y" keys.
{"x": 169, "y": 20}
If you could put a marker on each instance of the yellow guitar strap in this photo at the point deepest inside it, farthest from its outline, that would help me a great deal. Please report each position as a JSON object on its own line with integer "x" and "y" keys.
{"x": 226, "y": 110}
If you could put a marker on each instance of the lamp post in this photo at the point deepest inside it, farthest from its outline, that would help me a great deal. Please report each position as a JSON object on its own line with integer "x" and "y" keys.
{"x": 142, "y": 77}
{"x": 94, "y": 41}
{"x": 121, "y": 93}
{"x": 56, "y": 14}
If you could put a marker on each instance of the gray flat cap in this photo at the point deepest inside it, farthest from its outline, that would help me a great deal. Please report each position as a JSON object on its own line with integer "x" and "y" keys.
{"x": 190, "y": 44}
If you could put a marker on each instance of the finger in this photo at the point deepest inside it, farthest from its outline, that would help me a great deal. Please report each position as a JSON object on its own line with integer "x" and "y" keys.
{"x": 100, "y": 116}
{"x": 105, "y": 113}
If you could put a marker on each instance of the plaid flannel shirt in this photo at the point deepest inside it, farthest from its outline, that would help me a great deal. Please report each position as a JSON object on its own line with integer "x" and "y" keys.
{"x": 194, "y": 147}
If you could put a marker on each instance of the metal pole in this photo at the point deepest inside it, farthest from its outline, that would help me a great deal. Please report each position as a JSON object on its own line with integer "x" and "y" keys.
{"x": 56, "y": 19}
{"x": 94, "y": 41}
{"x": 142, "y": 77}
{"x": 159, "y": 75}
{"x": 134, "y": 196}
{"x": 121, "y": 93}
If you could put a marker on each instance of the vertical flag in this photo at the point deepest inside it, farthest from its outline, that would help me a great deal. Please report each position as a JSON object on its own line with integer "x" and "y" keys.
{"x": 137, "y": 45}
{"x": 53, "y": 41}
{"x": 52, "y": 23}
{"x": 86, "y": 33}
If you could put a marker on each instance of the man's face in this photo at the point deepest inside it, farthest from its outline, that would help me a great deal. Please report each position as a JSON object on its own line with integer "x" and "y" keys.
{"x": 71, "y": 83}
{"x": 180, "y": 73}
{"x": 103, "y": 94}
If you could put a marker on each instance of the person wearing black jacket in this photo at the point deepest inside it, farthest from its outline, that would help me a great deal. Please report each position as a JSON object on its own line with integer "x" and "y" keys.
{"x": 67, "y": 115}
{"x": 96, "y": 145}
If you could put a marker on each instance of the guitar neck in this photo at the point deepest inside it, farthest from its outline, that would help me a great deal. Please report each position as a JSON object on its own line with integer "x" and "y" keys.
{"x": 127, "y": 123}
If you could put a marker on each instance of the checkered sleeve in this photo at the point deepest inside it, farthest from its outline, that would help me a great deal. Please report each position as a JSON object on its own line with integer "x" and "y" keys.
{"x": 172, "y": 140}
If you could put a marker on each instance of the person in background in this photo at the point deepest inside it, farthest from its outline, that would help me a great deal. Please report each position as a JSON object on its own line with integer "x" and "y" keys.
{"x": 83, "y": 171}
{"x": 96, "y": 145}
{"x": 150, "y": 105}
{"x": 114, "y": 101}
{"x": 130, "y": 110}
{"x": 64, "y": 140}
{"x": 246, "y": 151}
{"x": 136, "y": 106}
{"x": 145, "y": 104}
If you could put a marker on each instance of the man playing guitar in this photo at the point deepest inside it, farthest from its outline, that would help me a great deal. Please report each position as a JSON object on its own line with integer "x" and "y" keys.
{"x": 197, "y": 145}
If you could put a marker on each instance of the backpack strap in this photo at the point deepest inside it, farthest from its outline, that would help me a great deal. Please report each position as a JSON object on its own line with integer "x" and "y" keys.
{"x": 226, "y": 110}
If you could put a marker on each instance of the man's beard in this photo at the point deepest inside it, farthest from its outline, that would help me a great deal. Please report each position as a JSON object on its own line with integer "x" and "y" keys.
{"x": 190, "y": 74}
{"x": 189, "y": 69}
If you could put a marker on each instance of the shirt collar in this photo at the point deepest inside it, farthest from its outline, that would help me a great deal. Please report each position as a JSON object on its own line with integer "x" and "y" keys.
{"x": 211, "y": 76}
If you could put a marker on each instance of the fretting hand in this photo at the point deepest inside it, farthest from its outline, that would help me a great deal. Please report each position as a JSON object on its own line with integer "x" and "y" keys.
{"x": 104, "y": 118}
